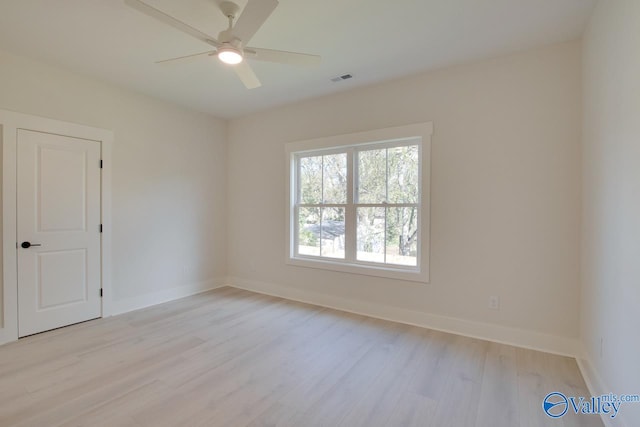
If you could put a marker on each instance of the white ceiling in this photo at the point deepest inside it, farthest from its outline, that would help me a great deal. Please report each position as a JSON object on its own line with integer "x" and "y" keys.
{"x": 372, "y": 39}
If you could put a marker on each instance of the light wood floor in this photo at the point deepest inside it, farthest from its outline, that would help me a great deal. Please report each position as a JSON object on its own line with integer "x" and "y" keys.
{"x": 235, "y": 358}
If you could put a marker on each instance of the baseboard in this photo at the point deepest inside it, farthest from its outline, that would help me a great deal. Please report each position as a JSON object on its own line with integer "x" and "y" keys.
{"x": 597, "y": 387}
{"x": 504, "y": 335}
{"x": 166, "y": 295}
{"x": 7, "y": 336}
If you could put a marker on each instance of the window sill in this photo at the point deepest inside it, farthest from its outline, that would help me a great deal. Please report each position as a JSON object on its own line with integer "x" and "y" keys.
{"x": 365, "y": 270}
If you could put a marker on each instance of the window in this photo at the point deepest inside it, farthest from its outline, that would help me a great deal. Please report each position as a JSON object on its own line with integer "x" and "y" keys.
{"x": 359, "y": 203}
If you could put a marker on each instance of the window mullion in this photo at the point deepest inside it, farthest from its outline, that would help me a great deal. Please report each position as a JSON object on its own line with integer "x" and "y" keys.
{"x": 296, "y": 230}
{"x": 386, "y": 202}
{"x": 297, "y": 199}
{"x": 350, "y": 225}
{"x": 386, "y": 177}
{"x": 322, "y": 202}
{"x": 384, "y": 243}
{"x": 298, "y": 181}
{"x": 322, "y": 180}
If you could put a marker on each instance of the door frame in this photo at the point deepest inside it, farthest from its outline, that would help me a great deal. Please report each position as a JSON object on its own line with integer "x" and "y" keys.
{"x": 10, "y": 122}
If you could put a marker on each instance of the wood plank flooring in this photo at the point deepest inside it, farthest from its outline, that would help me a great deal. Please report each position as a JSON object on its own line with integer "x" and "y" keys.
{"x": 235, "y": 358}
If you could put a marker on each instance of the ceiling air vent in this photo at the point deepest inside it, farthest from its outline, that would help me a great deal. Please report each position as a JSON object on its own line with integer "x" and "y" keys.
{"x": 341, "y": 78}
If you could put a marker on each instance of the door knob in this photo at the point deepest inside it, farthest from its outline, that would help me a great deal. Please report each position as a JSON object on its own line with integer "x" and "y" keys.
{"x": 27, "y": 245}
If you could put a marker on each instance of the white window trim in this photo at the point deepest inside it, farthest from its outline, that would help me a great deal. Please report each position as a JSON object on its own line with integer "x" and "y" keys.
{"x": 424, "y": 131}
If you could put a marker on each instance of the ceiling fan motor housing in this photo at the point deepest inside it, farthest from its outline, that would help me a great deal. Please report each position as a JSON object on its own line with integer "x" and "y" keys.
{"x": 227, "y": 37}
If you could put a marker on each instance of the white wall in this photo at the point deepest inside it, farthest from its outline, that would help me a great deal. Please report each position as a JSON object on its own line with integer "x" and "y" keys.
{"x": 611, "y": 165}
{"x": 2, "y": 320}
{"x": 505, "y": 195}
{"x": 169, "y": 177}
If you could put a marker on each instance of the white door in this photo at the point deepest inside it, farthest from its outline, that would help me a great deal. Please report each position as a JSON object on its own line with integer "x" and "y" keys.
{"x": 58, "y": 208}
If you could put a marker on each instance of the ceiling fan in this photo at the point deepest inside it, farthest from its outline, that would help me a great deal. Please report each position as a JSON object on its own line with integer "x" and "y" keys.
{"x": 231, "y": 44}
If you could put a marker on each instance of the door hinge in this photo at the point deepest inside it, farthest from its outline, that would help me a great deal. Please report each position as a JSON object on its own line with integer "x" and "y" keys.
{"x": 100, "y": 164}
{"x": 100, "y": 292}
{"x": 101, "y": 228}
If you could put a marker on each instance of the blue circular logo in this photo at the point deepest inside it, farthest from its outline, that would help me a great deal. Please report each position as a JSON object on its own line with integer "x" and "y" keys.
{"x": 555, "y": 404}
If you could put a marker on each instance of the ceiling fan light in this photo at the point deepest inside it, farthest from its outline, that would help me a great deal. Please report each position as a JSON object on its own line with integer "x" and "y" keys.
{"x": 229, "y": 56}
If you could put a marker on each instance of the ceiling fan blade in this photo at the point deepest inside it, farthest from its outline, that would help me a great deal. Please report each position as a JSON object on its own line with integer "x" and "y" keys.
{"x": 187, "y": 57}
{"x": 246, "y": 74}
{"x": 252, "y": 18}
{"x": 171, "y": 21}
{"x": 282, "y": 57}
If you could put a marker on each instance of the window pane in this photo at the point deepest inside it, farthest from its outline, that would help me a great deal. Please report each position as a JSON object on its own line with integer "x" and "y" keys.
{"x": 403, "y": 174}
{"x": 335, "y": 178}
{"x": 402, "y": 236}
{"x": 309, "y": 231}
{"x": 370, "y": 238}
{"x": 372, "y": 176}
{"x": 332, "y": 233}
{"x": 311, "y": 179}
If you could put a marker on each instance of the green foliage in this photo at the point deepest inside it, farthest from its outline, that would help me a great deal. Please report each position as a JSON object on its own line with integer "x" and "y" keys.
{"x": 388, "y": 175}
{"x": 384, "y": 176}
{"x": 323, "y": 179}
{"x": 307, "y": 238}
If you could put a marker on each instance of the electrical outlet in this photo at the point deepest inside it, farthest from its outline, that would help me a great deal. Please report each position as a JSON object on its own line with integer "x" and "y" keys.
{"x": 494, "y": 302}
